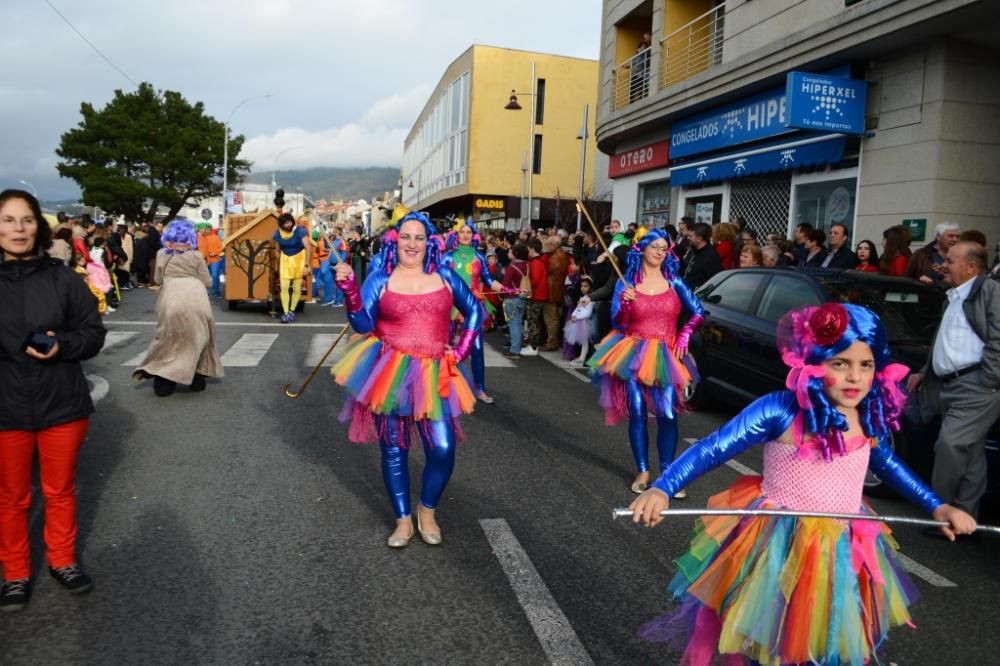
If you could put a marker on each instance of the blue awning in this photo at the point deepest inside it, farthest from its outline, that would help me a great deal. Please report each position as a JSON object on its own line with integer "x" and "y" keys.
{"x": 806, "y": 152}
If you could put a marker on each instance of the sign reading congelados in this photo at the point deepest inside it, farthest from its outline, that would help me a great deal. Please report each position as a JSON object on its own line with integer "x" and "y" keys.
{"x": 489, "y": 203}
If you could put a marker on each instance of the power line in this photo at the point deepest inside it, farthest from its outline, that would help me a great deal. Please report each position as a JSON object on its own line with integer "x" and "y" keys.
{"x": 84, "y": 38}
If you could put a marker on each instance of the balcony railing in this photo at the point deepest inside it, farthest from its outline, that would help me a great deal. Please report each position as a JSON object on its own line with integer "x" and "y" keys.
{"x": 692, "y": 48}
{"x": 632, "y": 79}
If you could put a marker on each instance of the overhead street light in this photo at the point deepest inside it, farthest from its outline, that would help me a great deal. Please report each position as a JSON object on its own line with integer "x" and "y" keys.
{"x": 34, "y": 190}
{"x": 225, "y": 150}
{"x": 512, "y": 105}
{"x": 274, "y": 167}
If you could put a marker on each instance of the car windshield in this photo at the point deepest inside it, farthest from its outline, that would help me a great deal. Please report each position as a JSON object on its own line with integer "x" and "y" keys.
{"x": 910, "y": 312}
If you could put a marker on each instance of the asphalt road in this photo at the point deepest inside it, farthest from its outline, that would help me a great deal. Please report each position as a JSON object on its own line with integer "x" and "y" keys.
{"x": 237, "y": 526}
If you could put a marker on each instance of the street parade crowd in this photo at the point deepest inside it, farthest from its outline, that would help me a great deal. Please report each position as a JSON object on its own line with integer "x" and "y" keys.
{"x": 621, "y": 300}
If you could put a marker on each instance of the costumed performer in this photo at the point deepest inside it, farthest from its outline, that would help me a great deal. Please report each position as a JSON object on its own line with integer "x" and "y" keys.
{"x": 791, "y": 590}
{"x": 642, "y": 363}
{"x": 183, "y": 347}
{"x": 465, "y": 259}
{"x": 293, "y": 259}
{"x": 400, "y": 373}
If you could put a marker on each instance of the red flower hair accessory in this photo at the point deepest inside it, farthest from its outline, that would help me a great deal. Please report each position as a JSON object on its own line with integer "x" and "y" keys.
{"x": 828, "y": 323}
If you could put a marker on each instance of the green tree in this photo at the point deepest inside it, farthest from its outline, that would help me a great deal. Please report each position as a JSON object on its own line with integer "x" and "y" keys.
{"x": 146, "y": 152}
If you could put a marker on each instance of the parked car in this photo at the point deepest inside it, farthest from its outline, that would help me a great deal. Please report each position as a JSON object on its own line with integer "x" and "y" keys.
{"x": 736, "y": 350}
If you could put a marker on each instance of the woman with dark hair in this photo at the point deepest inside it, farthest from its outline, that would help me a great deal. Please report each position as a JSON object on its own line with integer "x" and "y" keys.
{"x": 896, "y": 251}
{"x": 400, "y": 372}
{"x": 867, "y": 257}
{"x": 48, "y": 325}
{"x": 183, "y": 347}
{"x": 641, "y": 364}
{"x": 293, "y": 262}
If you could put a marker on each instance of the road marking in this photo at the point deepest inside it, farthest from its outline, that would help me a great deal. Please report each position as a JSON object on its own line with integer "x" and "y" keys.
{"x": 101, "y": 387}
{"x": 554, "y": 632}
{"x": 318, "y": 344}
{"x": 334, "y": 326}
{"x": 116, "y": 338}
{"x": 248, "y": 350}
{"x": 137, "y": 359}
{"x": 494, "y": 359}
{"x": 555, "y": 358}
{"x": 911, "y": 565}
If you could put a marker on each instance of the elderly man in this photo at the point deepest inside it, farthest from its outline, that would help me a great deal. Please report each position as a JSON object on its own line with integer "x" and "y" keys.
{"x": 928, "y": 263}
{"x": 840, "y": 255}
{"x": 961, "y": 379}
{"x": 558, "y": 266}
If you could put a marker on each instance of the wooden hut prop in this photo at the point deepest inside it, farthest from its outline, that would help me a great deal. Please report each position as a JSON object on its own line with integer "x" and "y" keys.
{"x": 252, "y": 259}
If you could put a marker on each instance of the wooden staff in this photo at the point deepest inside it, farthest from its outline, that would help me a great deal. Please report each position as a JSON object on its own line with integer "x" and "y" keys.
{"x": 295, "y": 394}
{"x": 600, "y": 239}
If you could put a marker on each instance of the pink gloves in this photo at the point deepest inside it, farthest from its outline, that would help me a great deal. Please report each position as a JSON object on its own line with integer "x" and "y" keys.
{"x": 464, "y": 347}
{"x": 352, "y": 295}
{"x": 683, "y": 338}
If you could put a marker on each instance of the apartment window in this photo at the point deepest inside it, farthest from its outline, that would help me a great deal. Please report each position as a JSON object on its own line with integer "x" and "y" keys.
{"x": 536, "y": 166}
{"x": 540, "y": 102}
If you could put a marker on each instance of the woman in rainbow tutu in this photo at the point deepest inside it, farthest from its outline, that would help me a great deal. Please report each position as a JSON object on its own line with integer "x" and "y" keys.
{"x": 793, "y": 590}
{"x": 642, "y": 363}
{"x": 400, "y": 373}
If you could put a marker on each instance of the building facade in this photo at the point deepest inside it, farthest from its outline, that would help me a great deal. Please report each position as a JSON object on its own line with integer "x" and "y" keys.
{"x": 467, "y": 154}
{"x": 870, "y": 113}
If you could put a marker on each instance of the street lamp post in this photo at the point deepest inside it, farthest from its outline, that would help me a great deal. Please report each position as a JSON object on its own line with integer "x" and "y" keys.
{"x": 583, "y": 136}
{"x": 274, "y": 167}
{"x": 34, "y": 190}
{"x": 512, "y": 105}
{"x": 225, "y": 150}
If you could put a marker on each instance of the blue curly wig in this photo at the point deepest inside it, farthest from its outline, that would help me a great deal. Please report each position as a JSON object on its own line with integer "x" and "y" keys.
{"x": 633, "y": 260}
{"x": 451, "y": 240}
{"x": 388, "y": 257}
{"x": 179, "y": 232}
{"x": 813, "y": 335}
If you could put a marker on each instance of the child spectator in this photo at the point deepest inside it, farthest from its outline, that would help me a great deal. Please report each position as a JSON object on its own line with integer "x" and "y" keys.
{"x": 577, "y": 329}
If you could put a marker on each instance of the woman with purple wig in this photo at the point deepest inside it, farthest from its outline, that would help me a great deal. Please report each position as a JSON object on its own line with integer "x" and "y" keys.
{"x": 183, "y": 347}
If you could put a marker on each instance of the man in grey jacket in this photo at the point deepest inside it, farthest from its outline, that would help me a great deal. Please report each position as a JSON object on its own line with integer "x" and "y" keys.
{"x": 961, "y": 379}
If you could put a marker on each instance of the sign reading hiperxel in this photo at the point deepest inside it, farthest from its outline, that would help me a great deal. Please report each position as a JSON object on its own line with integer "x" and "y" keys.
{"x": 825, "y": 103}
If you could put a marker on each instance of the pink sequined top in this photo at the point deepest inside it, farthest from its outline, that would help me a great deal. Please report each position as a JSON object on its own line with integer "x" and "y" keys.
{"x": 415, "y": 324}
{"x": 800, "y": 479}
{"x": 654, "y": 316}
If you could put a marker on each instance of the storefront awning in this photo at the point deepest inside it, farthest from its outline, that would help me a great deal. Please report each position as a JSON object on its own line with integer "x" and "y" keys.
{"x": 805, "y": 152}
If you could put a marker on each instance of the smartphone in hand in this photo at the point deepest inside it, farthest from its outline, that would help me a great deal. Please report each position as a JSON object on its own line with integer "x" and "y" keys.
{"x": 40, "y": 342}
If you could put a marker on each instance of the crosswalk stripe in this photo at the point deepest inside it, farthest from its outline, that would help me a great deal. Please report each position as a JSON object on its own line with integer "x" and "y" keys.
{"x": 318, "y": 344}
{"x": 248, "y": 350}
{"x": 136, "y": 360}
{"x": 494, "y": 359}
{"x": 116, "y": 338}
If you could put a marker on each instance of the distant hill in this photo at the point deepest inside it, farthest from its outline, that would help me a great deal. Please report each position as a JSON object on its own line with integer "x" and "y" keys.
{"x": 333, "y": 183}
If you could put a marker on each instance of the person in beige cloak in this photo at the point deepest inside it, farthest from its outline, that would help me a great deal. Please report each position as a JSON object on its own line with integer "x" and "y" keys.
{"x": 183, "y": 347}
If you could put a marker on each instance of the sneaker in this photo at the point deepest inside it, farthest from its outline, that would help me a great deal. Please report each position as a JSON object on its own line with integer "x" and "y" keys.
{"x": 74, "y": 580}
{"x": 14, "y": 595}
{"x": 286, "y": 318}
{"x": 529, "y": 351}
{"x": 109, "y": 310}
{"x": 327, "y": 304}
{"x": 338, "y": 305}
{"x": 512, "y": 355}
{"x": 576, "y": 363}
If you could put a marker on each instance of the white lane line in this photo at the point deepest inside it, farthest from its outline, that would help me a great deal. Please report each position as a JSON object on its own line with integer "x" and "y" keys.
{"x": 733, "y": 464}
{"x": 101, "y": 387}
{"x": 318, "y": 344}
{"x": 911, "y": 565}
{"x": 248, "y": 350}
{"x": 116, "y": 338}
{"x": 234, "y": 323}
{"x": 917, "y": 569}
{"x": 554, "y": 632}
{"x": 137, "y": 359}
{"x": 555, "y": 358}
{"x": 494, "y": 359}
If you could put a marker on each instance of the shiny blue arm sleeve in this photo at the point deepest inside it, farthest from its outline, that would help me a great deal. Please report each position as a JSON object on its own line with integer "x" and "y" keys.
{"x": 763, "y": 420}
{"x": 363, "y": 321}
{"x": 688, "y": 299}
{"x": 462, "y": 296}
{"x": 893, "y": 471}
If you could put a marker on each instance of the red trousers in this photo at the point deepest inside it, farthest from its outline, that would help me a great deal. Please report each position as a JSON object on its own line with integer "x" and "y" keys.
{"x": 58, "y": 447}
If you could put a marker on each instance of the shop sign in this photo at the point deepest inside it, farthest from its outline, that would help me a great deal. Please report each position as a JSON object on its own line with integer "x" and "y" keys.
{"x": 644, "y": 158}
{"x": 758, "y": 117}
{"x": 489, "y": 203}
{"x": 825, "y": 103}
{"x": 918, "y": 229}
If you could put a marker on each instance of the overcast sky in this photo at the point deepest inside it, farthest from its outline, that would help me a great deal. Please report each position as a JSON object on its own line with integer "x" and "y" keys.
{"x": 348, "y": 77}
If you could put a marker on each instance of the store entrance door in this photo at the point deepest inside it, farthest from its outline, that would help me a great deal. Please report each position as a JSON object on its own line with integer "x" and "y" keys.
{"x": 707, "y": 209}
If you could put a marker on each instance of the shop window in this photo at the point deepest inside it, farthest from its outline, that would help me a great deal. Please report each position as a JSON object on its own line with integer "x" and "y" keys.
{"x": 654, "y": 204}
{"x": 825, "y": 203}
{"x": 536, "y": 166}
{"x": 540, "y": 102}
{"x": 707, "y": 209}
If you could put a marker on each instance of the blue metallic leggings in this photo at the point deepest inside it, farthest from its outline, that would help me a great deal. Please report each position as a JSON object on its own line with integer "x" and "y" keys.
{"x": 666, "y": 431}
{"x": 478, "y": 360}
{"x": 438, "y": 438}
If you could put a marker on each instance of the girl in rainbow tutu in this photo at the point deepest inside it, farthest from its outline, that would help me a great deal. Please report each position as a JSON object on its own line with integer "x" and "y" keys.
{"x": 642, "y": 363}
{"x": 794, "y": 590}
{"x": 400, "y": 372}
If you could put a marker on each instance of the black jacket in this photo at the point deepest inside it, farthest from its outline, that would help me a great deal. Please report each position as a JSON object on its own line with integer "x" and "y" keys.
{"x": 815, "y": 262}
{"x": 41, "y": 295}
{"x": 843, "y": 259}
{"x": 701, "y": 266}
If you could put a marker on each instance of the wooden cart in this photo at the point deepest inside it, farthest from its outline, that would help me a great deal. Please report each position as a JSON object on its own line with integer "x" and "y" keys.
{"x": 252, "y": 261}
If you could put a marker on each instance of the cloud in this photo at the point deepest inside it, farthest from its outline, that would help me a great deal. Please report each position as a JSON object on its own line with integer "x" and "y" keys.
{"x": 376, "y": 139}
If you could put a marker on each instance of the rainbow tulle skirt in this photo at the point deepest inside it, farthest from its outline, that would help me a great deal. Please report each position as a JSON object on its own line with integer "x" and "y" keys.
{"x": 620, "y": 359}
{"x": 783, "y": 590}
{"x": 387, "y": 386}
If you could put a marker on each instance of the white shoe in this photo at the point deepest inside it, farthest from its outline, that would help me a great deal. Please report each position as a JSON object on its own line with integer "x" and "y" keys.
{"x": 577, "y": 363}
{"x": 109, "y": 310}
{"x": 529, "y": 351}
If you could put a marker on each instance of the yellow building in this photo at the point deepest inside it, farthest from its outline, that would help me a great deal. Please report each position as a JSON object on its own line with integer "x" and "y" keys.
{"x": 467, "y": 153}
